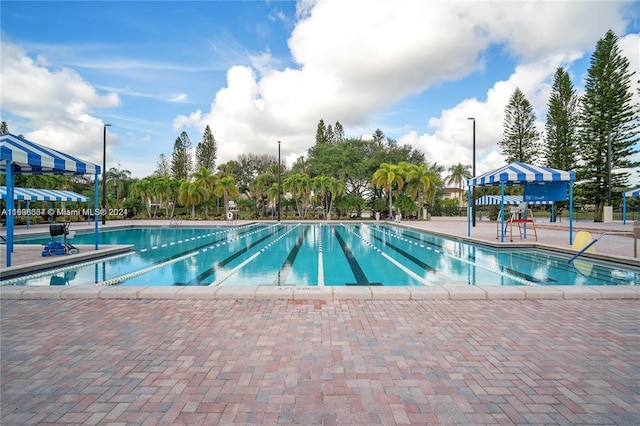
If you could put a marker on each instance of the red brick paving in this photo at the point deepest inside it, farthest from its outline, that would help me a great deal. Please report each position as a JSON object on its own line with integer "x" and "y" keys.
{"x": 344, "y": 362}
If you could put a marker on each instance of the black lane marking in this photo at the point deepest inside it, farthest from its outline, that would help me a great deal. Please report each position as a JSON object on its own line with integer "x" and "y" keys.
{"x": 198, "y": 280}
{"x": 283, "y": 273}
{"x": 358, "y": 273}
{"x": 194, "y": 249}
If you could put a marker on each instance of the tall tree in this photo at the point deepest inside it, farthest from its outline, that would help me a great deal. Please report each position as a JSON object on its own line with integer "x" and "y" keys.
{"x": 162, "y": 166}
{"x": 520, "y": 137}
{"x": 457, "y": 174}
{"x": 561, "y": 136}
{"x": 609, "y": 124}
{"x": 338, "y": 132}
{"x": 420, "y": 181}
{"x": 4, "y": 128}
{"x": 389, "y": 177}
{"x": 208, "y": 182}
{"x": 321, "y": 133}
{"x": 207, "y": 151}
{"x": 226, "y": 187}
{"x": 181, "y": 162}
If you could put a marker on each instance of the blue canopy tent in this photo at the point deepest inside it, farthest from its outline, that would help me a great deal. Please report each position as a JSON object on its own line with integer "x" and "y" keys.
{"x": 21, "y": 156}
{"x": 541, "y": 184}
{"x": 512, "y": 200}
{"x": 625, "y": 195}
{"x": 52, "y": 195}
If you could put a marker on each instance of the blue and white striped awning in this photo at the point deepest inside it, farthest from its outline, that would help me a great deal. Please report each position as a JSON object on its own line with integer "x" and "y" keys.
{"x": 632, "y": 193}
{"x": 509, "y": 200}
{"x": 32, "y": 158}
{"x": 28, "y": 194}
{"x": 518, "y": 173}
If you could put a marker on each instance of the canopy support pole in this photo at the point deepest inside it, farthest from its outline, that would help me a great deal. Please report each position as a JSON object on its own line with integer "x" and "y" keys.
{"x": 10, "y": 211}
{"x": 95, "y": 210}
{"x": 570, "y": 212}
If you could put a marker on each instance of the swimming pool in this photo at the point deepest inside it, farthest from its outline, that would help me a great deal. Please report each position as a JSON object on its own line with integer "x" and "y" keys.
{"x": 318, "y": 254}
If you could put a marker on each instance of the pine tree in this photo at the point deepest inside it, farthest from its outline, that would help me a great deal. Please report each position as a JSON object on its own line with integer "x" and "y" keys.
{"x": 338, "y": 132}
{"x": 520, "y": 137}
{"x": 181, "y": 162}
{"x": 321, "y": 133}
{"x": 608, "y": 120}
{"x": 561, "y": 136}
{"x": 162, "y": 166}
{"x": 206, "y": 151}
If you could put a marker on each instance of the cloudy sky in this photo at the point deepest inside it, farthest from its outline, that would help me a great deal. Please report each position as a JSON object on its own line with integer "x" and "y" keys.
{"x": 262, "y": 71}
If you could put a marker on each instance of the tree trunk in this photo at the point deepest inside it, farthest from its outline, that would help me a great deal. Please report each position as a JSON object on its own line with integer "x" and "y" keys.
{"x": 598, "y": 214}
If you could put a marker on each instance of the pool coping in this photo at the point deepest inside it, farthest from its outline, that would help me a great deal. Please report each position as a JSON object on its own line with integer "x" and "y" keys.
{"x": 92, "y": 291}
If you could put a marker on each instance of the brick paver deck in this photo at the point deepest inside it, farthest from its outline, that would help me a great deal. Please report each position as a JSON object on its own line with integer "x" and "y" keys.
{"x": 97, "y": 361}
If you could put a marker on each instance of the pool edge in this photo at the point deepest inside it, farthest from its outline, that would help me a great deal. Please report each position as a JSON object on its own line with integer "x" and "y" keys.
{"x": 323, "y": 293}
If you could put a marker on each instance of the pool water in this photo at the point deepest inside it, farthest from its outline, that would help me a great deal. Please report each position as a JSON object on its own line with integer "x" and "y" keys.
{"x": 316, "y": 254}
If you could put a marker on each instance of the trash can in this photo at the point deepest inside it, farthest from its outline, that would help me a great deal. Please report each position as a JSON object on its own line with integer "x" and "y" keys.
{"x": 636, "y": 228}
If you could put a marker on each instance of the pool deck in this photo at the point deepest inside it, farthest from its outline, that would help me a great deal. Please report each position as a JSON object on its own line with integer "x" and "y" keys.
{"x": 126, "y": 355}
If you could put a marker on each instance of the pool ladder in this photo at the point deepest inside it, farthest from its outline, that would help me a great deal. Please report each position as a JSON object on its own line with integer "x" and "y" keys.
{"x": 635, "y": 243}
{"x": 175, "y": 220}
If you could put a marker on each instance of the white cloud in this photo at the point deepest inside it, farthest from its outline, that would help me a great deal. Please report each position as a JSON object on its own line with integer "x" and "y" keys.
{"x": 357, "y": 58}
{"x": 58, "y": 102}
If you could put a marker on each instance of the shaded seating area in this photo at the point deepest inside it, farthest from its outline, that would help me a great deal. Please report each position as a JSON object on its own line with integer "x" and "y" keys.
{"x": 520, "y": 215}
{"x": 21, "y": 156}
{"x": 541, "y": 185}
{"x": 43, "y": 195}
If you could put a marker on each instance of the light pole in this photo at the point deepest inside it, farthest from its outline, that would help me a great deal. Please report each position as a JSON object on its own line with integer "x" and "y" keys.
{"x": 278, "y": 202}
{"x": 610, "y": 164}
{"x": 473, "y": 188}
{"x": 104, "y": 175}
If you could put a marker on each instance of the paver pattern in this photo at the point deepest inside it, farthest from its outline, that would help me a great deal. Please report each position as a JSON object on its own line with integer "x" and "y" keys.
{"x": 320, "y": 362}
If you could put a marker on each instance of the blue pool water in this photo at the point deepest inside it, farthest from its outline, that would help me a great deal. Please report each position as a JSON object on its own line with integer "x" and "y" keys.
{"x": 318, "y": 255}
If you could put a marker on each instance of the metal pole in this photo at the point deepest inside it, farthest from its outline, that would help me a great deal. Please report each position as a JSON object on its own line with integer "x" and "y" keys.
{"x": 609, "y": 163}
{"x": 278, "y": 202}
{"x": 473, "y": 188}
{"x": 104, "y": 174}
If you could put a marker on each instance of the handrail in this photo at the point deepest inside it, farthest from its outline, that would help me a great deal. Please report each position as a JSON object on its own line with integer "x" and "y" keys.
{"x": 175, "y": 220}
{"x": 635, "y": 243}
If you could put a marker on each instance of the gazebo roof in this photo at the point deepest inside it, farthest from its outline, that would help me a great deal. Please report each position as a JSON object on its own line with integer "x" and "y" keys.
{"x": 519, "y": 173}
{"x": 632, "y": 193}
{"x": 43, "y": 195}
{"x": 32, "y": 158}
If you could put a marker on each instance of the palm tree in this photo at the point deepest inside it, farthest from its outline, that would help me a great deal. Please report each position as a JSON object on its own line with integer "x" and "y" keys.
{"x": 299, "y": 185}
{"x": 420, "y": 181}
{"x": 208, "y": 182}
{"x": 143, "y": 189}
{"x": 167, "y": 189}
{"x": 226, "y": 186}
{"x": 320, "y": 185}
{"x": 336, "y": 188}
{"x": 118, "y": 178}
{"x": 386, "y": 177}
{"x": 457, "y": 174}
{"x": 192, "y": 194}
{"x": 272, "y": 193}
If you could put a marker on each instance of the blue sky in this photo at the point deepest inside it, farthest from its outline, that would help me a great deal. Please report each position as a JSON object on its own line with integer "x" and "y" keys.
{"x": 262, "y": 71}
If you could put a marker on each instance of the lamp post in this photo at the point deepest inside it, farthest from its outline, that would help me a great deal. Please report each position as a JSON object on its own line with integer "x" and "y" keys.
{"x": 278, "y": 202}
{"x": 104, "y": 174}
{"x": 473, "y": 188}
{"x": 609, "y": 164}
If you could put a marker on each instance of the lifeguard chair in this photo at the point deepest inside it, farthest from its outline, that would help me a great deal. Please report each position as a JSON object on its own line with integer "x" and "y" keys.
{"x": 521, "y": 216}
